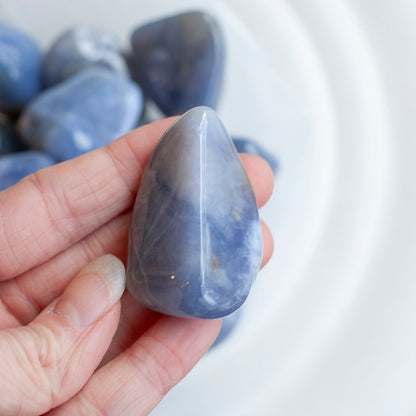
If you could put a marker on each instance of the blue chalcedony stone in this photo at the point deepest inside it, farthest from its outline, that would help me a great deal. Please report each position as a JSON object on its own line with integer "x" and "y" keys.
{"x": 20, "y": 66}
{"x": 179, "y": 61}
{"x": 227, "y": 326}
{"x": 79, "y": 48}
{"x": 9, "y": 139}
{"x": 195, "y": 242}
{"x": 16, "y": 166}
{"x": 87, "y": 111}
{"x": 244, "y": 145}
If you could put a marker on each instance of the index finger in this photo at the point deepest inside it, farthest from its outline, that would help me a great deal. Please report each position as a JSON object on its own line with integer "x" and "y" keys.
{"x": 55, "y": 208}
{"x": 58, "y": 206}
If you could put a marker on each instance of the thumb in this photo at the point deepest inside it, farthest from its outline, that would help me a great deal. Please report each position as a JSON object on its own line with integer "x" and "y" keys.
{"x": 45, "y": 363}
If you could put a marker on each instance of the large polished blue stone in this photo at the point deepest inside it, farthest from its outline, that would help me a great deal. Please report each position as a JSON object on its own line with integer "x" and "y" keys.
{"x": 179, "y": 61}
{"x": 195, "y": 242}
{"x": 79, "y": 48}
{"x": 244, "y": 145}
{"x": 20, "y": 65}
{"x": 87, "y": 111}
{"x": 16, "y": 166}
{"x": 9, "y": 139}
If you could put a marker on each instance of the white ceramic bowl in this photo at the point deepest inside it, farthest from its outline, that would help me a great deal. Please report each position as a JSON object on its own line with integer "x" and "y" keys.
{"x": 327, "y": 86}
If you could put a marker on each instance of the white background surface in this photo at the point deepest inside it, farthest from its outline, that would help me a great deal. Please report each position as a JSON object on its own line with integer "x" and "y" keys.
{"x": 328, "y": 86}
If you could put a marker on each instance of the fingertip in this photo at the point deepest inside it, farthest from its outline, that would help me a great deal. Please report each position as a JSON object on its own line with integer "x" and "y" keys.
{"x": 268, "y": 244}
{"x": 95, "y": 289}
{"x": 260, "y": 175}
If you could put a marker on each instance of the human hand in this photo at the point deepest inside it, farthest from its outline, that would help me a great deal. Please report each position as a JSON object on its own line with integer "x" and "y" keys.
{"x": 72, "y": 342}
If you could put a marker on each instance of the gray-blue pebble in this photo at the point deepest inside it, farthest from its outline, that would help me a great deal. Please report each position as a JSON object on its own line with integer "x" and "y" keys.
{"x": 79, "y": 48}
{"x": 87, "y": 111}
{"x": 244, "y": 145}
{"x": 20, "y": 67}
{"x": 195, "y": 241}
{"x": 16, "y": 166}
{"x": 179, "y": 61}
{"x": 227, "y": 326}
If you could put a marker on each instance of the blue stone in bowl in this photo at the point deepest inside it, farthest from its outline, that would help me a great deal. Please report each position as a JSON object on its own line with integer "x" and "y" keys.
{"x": 87, "y": 111}
{"x": 227, "y": 327}
{"x": 20, "y": 67}
{"x": 195, "y": 241}
{"x": 16, "y": 166}
{"x": 179, "y": 61}
{"x": 244, "y": 145}
{"x": 79, "y": 48}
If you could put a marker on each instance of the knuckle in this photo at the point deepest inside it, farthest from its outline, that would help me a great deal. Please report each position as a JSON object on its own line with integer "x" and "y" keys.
{"x": 46, "y": 353}
{"x": 42, "y": 355}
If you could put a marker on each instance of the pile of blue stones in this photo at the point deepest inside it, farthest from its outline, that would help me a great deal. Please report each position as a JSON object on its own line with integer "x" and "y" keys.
{"x": 85, "y": 91}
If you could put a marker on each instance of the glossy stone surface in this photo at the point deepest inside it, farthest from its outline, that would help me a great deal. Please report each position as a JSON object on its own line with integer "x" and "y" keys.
{"x": 16, "y": 166}
{"x": 195, "y": 242}
{"x": 179, "y": 61}
{"x": 244, "y": 145}
{"x": 79, "y": 48}
{"x": 87, "y": 111}
{"x": 9, "y": 139}
{"x": 20, "y": 63}
{"x": 227, "y": 326}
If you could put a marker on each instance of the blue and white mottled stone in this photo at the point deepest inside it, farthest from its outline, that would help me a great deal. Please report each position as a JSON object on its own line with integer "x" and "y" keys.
{"x": 16, "y": 166}
{"x": 244, "y": 145}
{"x": 195, "y": 242}
{"x": 20, "y": 67}
{"x": 79, "y": 48}
{"x": 179, "y": 61}
{"x": 83, "y": 113}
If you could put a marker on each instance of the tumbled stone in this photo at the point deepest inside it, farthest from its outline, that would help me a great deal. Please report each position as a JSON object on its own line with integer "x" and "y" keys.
{"x": 79, "y": 48}
{"x": 16, "y": 166}
{"x": 179, "y": 61}
{"x": 20, "y": 63}
{"x": 87, "y": 111}
{"x": 244, "y": 145}
{"x": 227, "y": 327}
{"x": 9, "y": 139}
{"x": 195, "y": 242}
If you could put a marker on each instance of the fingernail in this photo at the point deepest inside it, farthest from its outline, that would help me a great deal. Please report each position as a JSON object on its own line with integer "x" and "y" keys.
{"x": 95, "y": 289}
